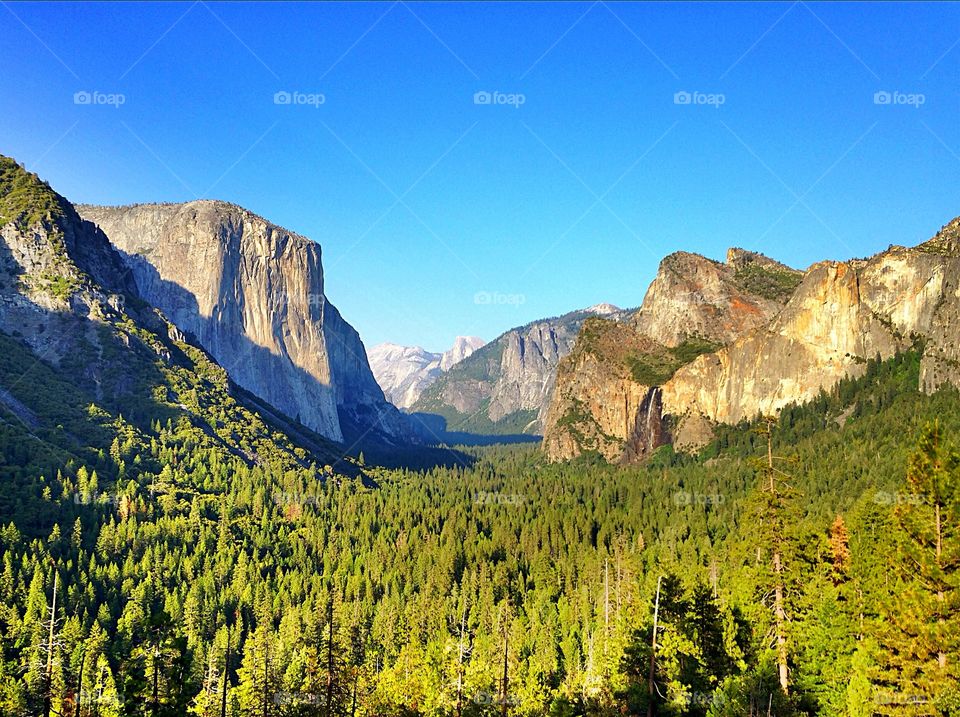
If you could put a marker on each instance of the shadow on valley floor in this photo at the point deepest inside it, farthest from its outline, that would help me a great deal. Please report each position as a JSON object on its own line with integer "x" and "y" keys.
{"x": 415, "y": 458}
{"x": 433, "y": 430}
{"x": 345, "y": 458}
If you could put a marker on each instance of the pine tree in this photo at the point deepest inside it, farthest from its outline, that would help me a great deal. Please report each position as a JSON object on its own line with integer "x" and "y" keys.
{"x": 337, "y": 685}
{"x": 839, "y": 549}
{"x": 774, "y": 498}
{"x": 259, "y": 688}
{"x": 920, "y": 630}
{"x": 463, "y": 650}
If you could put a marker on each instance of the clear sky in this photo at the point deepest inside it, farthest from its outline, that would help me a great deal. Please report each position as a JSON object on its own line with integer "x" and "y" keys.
{"x": 439, "y": 216}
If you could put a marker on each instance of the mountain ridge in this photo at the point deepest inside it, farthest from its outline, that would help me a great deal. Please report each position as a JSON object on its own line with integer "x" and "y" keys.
{"x": 798, "y": 333}
{"x": 120, "y": 367}
{"x": 504, "y": 386}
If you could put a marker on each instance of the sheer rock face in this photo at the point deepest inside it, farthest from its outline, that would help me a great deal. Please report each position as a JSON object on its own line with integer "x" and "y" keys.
{"x": 251, "y": 293}
{"x": 694, "y": 296}
{"x": 512, "y": 375}
{"x": 528, "y": 368}
{"x": 826, "y": 331}
{"x": 598, "y": 405}
{"x": 840, "y": 315}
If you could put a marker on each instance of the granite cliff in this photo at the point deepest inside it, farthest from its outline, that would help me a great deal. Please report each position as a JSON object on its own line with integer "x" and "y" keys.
{"x": 80, "y": 344}
{"x": 505, "y": 386}
{"x": 252, "y": 294}
{"x": 732, "y": 343}
{"x": 607, "y": 397}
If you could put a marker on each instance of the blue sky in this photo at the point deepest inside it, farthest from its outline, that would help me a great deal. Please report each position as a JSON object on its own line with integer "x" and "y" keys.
{"x": 424, "y": 200}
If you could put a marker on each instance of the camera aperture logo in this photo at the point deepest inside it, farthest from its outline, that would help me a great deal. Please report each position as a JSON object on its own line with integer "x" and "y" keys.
{"x": 897, "y": 98}
{"x": 299, "y": 99}
{"x": 709, "y": 99}
{"x": 97, "y": 98}
{"x": 509, "y": 99}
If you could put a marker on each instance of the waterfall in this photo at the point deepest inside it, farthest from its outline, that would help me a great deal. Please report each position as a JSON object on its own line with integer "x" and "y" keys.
{"x": 652, "y": 398}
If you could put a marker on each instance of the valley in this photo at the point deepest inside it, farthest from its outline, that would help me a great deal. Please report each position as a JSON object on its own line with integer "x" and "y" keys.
{"x": 210, "y": 506}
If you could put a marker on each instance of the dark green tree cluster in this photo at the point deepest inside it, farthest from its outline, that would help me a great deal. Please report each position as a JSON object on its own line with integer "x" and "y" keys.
{"x": 195, "y": 561}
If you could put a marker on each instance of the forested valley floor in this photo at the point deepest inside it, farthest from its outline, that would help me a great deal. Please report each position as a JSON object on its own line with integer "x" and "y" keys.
{"x": 146, "y": 569}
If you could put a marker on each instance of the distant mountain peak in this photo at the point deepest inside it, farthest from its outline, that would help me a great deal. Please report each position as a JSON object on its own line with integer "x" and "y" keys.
{"x": 603, "y": 309}
{"x": 462, "y": 347}
{"x": 405, "y": 372}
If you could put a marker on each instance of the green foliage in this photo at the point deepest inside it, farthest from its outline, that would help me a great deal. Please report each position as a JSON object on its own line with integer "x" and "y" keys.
{"x": 197, "y": 550}
{"x": 770, "y": 282}
{"x": 920, "y": 632}
{"x": 24, "y": 198}
{"x": 656, "y": 368}
{"x": 479, "y": 422}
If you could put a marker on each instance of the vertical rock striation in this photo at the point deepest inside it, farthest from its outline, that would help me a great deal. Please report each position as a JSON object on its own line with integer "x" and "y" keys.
{"x": 252, "y": 294}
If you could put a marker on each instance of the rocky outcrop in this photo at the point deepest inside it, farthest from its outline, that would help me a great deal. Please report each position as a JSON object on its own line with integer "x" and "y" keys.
{"x": 598, "y": 406}
{"x": 56, "y": 272}
{"x": 252, "y": 294}
{"x": 505, "y": 386}
{"x": 405, "y": 372}
{"x": 607, "y": 396}
{"x": 693, "y": 296}
{"x": 65, "y": 293}
{"x": 825, "y": 332}
{"x": 843, "y": 314}
{"x": 462, "y": 347}
{"x": 840, "y": 315}
{"x": 70, "y": 313}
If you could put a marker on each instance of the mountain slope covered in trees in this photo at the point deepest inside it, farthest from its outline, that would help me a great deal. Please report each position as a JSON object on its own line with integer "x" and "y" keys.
{"x": 512, "y": 584}
{"x": 171, "y": 546}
